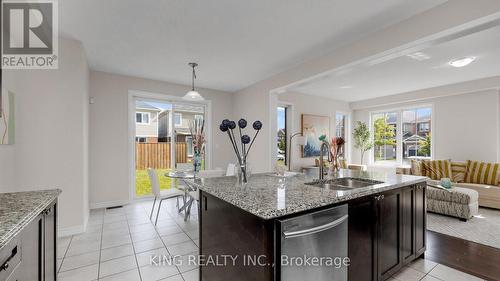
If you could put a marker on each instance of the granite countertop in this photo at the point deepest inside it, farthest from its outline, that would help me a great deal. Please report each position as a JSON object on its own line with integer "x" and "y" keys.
{"x": 268, "y": 196}
{"x": 18, "y": 209}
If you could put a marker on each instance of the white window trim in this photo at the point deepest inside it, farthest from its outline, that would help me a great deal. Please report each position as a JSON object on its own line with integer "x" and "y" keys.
{"x": 347, "y": 125}
{"x": 399, "y": 146}
{"x": 180, "y": 119}
{"x": 142, "y": 113}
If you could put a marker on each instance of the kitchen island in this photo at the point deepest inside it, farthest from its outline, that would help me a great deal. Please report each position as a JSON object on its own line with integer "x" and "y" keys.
{"x": 376, "y": 220}
{"x": 28, "y": 236}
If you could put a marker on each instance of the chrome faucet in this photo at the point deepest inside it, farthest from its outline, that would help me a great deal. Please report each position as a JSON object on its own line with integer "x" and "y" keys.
{"x": 321, "y": 155}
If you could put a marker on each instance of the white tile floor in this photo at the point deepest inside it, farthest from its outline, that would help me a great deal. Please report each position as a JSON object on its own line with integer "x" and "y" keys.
{"x": 118, "y": 245}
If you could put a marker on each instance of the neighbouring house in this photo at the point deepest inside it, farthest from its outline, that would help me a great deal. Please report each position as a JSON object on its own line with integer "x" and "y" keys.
{"x": 182, "y": 117}
{"x": 146, "y": 121}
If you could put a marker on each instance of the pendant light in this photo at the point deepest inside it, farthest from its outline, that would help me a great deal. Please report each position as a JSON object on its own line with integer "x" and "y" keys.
{"x": 193, "y": 95}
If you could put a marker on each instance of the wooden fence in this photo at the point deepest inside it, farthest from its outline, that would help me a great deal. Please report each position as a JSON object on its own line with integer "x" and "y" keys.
{"x": 157, "y": 155}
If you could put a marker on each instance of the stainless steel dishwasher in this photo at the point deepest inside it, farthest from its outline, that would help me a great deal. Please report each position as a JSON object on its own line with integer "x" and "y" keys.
{"x": 313, "y": 245}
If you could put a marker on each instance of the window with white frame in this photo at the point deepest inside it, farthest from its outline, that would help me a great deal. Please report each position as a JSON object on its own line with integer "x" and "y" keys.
{"x": 341, "y": 126}
{"x": 177, "y": 119}
{"x": 401, "y": 135}
{"x": 198, "y": 117}
{"x": 142, "y": 117}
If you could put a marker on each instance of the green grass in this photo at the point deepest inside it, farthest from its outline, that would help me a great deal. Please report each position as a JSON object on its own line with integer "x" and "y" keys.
{"x": 143, "y": 186}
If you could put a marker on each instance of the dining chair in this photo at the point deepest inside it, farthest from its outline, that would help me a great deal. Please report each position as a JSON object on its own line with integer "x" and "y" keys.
{"x": 194, "y": 194}
{"x": 231, "y": 170}
{"x": 161, "y": 195}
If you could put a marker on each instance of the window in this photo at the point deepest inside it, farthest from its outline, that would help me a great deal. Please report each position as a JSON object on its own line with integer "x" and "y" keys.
{"x": 384, "y": 137}
{"x": 189, "y": 142}
{"x": 402, "y": 135}
{"x": 142, "y": 117}
{"x": 417, "y": 140}
{"x": 281, "y": 134}
{"x": 177, "y": 119}
{"x": 140, "y": 139}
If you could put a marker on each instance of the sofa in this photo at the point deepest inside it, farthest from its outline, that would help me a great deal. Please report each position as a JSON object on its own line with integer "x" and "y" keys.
{"x": 474, "y": 183}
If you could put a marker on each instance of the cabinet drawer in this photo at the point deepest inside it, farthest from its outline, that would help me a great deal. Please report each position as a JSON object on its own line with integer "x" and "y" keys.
{"x": 10, "y": 257}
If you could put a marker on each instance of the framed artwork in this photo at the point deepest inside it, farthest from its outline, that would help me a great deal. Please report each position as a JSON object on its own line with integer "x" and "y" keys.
{"x": 7, "y": 117}
{"x": 313, "y": 126}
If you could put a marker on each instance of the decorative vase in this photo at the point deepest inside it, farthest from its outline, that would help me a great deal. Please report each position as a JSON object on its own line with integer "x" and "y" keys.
{"x": 243, "y": 172}
{"x": 196, "y": 162}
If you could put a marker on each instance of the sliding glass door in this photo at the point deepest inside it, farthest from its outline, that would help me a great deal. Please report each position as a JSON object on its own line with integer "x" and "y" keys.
{"x": 163, "y": 140}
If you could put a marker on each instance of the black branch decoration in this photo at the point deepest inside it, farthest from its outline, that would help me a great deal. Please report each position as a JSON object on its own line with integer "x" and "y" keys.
{"x": 243, "y": 144}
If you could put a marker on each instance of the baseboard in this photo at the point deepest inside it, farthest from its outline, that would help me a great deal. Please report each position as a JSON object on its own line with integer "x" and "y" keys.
{"x": 72, "y": 230}
{"x": 107, "y": 204}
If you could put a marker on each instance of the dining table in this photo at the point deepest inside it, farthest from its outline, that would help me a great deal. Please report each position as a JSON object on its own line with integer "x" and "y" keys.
{"x": 184, "y": 177}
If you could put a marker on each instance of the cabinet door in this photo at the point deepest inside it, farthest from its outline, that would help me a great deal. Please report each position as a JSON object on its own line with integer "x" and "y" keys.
{"x": 32, "y": 249}
{"x": 362, "y": 240}
{"x": 50, "y": 262}
{"x": 420, "y": 219}
{"x": 408, "y": 224}
{"x": 389, "y": 242}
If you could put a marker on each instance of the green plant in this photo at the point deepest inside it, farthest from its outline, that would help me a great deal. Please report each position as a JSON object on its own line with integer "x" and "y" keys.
{"x": 362, "y": 139}
{"x": 425, "y": 146}
{"x": 383, "y": 134}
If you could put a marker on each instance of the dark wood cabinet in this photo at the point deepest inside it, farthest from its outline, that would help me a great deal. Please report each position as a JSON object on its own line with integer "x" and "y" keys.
{"x": 362, "y": 239}
{"x": 389, "y": 233}
{"x": 420, "y": 219}
{"x": 35, "y": 250}
{"x": 386, "y": 231}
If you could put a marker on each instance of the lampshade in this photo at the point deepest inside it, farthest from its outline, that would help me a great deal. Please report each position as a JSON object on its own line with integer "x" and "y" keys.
{"x": 193, "y": 96}
{"x": 301, "y": 140}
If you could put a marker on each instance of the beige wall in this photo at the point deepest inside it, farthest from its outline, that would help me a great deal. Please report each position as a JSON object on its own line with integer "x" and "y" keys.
{"x": 465, "y": 126}
{"x": 147, "y": 130}
{"x": 109, "y": 150}
{"x": 255, "y": 102}
{"x": 307, "y": 104}
{"x": 51, "y": 134}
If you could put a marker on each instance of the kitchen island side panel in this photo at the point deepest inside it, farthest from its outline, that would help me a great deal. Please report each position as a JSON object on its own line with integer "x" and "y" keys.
{"x": 235, "y": 244}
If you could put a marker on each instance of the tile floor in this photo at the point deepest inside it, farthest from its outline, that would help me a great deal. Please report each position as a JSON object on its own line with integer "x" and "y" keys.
{"x": 118, "y": 245}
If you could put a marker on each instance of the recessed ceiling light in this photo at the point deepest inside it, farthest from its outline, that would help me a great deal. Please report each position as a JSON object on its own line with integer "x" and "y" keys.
{"x": 461, "y": 62}
{"x": 419, "y": 56}
{"x": 345, "y": 87}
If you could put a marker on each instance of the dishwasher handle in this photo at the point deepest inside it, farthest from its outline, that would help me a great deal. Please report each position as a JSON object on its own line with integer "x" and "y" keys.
{"x": 316, "y": 229}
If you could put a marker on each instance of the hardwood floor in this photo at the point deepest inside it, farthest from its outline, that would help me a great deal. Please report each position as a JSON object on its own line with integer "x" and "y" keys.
{"x": 470, "y": 257}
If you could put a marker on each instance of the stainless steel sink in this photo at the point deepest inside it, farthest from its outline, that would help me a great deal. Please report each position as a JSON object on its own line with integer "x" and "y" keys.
{"x": 343, "y": 183}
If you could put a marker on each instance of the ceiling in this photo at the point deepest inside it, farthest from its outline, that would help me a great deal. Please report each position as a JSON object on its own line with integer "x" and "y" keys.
{"x": 405, "y": 74}
{"x": 236, "y": 42}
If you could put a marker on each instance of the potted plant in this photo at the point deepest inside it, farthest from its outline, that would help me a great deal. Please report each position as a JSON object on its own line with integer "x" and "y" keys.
{"x": 362, "y": 139}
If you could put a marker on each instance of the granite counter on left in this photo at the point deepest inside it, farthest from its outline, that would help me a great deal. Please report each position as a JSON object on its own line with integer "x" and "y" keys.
{"x": 28, "y": 235}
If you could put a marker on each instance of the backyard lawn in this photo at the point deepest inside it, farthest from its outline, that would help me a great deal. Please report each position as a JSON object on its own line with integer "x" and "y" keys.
{"x": 142, "y": 184}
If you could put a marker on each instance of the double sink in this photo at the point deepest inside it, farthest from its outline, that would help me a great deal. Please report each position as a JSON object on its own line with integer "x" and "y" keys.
{"x": 343, "y": 183}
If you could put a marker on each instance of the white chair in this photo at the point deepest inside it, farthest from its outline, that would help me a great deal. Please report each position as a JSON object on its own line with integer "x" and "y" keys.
{"x": 161, "y": 194}
{"x": 231, "y": 170}
{"x": 194, "y": 194}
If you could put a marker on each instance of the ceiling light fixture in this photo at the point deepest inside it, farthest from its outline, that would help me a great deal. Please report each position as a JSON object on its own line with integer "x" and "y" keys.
{"x": 193, "y": 95}
{"x": 461, "y": 62}
{"x": 346, "y": 87}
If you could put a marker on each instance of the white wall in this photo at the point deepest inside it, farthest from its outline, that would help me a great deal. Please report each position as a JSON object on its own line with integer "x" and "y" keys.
{"x": 306, "y": 104}
{"x": 254, "y": 102}
{"x": 109, "y": 147}
{"x": 464, "y": 126}
{"x": 51, "y": 146}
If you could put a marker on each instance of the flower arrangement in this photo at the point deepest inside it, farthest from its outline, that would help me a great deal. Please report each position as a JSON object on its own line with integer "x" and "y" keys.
{"x": 196, "y": 128}
{"x": 336, "y": 150}
{"x": 244, "y": 143}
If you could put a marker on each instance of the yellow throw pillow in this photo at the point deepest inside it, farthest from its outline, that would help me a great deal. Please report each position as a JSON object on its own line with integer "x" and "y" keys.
{"x": 437, "y": 169}
{"x": 458, "y": 170}
{"x": 481, "y": 172}
{"x": 417, "y": 167}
